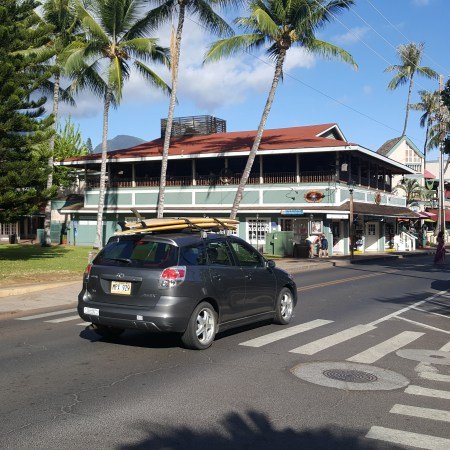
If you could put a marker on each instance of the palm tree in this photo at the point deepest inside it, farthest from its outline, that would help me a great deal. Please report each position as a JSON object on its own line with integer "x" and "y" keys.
{"x": 410, "y": 57}
{"x": 211, "y": 21}
{"x": 412, "y": 189}
{"x": 279, "y": 24}
{"x": 114, "y": 42}
{"x": 429, "y": 104}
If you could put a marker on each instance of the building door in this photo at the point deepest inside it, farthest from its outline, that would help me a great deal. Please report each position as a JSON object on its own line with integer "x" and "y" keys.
{"x": 337, "y": 229}
{"x": 372, "y": 236}
{"x": 256, "y": 232}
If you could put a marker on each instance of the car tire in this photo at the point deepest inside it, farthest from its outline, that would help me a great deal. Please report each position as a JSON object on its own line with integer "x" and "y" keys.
{"x": 106, "y": 331}
{"x": 202, "y": 327}
{"x": 284, "y": 307}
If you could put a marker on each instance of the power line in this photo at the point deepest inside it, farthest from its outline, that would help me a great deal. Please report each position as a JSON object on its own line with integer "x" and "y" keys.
{"x": 324, "y": 94}
{"x": 364, "y": 42}
{"x": 403, "y": 35}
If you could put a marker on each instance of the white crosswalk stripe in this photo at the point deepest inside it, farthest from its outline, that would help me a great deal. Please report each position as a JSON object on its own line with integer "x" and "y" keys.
{"x": 407, "y": 438}
{"x": 287, "y": 332}
{"x": 63, "y": 319}
{"x": 424, "y": 413}
{"x": 332, "y": 340}
{"x": 435, "y": 393}
{"x": 377, "y": 352}
{"x": 49, "y": 314}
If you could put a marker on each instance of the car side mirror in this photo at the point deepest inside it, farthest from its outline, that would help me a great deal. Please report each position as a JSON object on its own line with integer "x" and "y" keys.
{"x": 271, "y": 264}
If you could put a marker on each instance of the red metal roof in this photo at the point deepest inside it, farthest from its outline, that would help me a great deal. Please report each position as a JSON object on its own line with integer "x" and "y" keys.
{"x": 275, "y": 139}
{"x": 428, "y": 175}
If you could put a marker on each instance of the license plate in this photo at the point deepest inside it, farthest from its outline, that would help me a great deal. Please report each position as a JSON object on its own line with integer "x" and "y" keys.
{"x": 121, "y": 287}
{"x": 91, "y": 311}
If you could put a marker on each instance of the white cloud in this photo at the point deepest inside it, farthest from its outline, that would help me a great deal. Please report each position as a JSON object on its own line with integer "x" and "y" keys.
{"x": 367, "y": 89}
{"x": 352, "y": 36}
{"x": 210, "y": 86}
{"x": 421, "y": 2}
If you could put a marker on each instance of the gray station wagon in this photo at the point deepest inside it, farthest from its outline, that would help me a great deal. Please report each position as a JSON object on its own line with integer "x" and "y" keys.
{"x": 192, "y": 283}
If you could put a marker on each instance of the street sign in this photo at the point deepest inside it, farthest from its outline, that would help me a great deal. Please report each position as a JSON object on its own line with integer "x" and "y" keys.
{"x": 292, "y": 212}
{"x": 337, "y": 216}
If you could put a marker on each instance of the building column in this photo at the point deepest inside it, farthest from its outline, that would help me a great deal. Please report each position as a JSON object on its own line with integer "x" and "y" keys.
{"x": 133, "y": 175}
{"x": 337, "y": 167}
{"x": 261, "y": 173}
{"x": 297, "y": 168}
{"x": 193, "y": 165}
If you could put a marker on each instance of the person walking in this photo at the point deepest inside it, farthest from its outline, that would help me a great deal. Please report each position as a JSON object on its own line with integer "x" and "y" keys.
{"x": 311, "y": 242}
{"x": 439, "y": 257}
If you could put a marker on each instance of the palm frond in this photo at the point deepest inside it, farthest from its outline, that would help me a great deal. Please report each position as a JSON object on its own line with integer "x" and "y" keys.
{"x": 328, "y": 50}
{"x": 90, "y": 25}
{"x": 427, "y": 72}
{"x": 152, "y": 77}
{"x": 151, "y": 21}
{"x": 233, "y": 45}
{"x": 399, "y": 79}
{"x": 210, "y": 19}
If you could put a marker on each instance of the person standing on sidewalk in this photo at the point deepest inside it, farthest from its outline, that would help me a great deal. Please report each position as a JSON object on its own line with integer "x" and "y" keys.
{"x": 311, "y": 242}
{"x": 439, "y": 257}
{"x": 323, "y": 252}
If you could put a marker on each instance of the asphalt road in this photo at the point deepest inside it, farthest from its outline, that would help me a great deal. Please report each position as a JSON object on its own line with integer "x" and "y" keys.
{"x": 63, "y": 387}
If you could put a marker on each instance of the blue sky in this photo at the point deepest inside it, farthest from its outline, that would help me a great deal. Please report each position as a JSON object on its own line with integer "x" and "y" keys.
{"x": 313, "y": 91}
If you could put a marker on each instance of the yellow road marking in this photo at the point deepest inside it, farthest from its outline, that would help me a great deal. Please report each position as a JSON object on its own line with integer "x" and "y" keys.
{"x": 342, "y": 280}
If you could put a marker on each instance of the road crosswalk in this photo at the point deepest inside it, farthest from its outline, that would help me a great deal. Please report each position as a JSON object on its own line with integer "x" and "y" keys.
{"x": 384, "y": 346}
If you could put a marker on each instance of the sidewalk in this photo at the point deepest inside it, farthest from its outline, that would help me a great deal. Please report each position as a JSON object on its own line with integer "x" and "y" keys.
{"x": 18, "y": 299}
{"x": 294, "y": 265}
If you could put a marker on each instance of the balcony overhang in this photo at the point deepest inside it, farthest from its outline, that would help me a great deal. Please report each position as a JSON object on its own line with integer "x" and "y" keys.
{"x": 395, "y": 166}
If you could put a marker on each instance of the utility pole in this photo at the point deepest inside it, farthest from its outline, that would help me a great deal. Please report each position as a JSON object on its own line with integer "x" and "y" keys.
{"x": 441, "y": 192}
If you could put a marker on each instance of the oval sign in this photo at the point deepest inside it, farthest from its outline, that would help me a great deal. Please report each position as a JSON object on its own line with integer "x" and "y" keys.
{"x": 314, "y": 196}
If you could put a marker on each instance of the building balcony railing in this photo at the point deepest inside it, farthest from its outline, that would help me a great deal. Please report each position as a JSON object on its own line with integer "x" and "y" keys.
{"x": 216, "y": 180}
{"x": 417, "y": 167}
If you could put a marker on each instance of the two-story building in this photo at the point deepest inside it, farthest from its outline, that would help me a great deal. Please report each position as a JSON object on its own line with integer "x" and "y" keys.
{"x": 299, "y": 182}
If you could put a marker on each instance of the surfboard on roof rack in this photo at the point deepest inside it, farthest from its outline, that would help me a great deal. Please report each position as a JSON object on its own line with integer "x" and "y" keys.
{"x": 178, "y": 223}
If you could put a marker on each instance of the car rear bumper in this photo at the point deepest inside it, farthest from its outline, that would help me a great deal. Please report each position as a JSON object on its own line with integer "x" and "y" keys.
{"x": 170, "y": 314}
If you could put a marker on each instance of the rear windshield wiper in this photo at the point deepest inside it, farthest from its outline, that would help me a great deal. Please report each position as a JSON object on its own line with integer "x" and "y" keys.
{"x": 127, "y": 260}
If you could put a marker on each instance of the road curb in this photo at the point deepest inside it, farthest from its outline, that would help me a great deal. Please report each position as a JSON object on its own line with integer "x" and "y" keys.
{"x": 10, "y": 292}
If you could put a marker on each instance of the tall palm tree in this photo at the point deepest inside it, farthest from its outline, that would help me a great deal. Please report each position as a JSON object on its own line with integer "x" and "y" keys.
{"x": 279, "y": 25}
{"x": 61, "y": 16}
{"x": 166, "y": 9}
{"x": 429, "y": 104}
{"x": 410, "y": 58}
{"x": 114, "y": 42}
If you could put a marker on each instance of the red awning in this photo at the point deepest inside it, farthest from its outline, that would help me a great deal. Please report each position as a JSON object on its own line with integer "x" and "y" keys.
{"x": 427, "y": 215}
{"x": 435, "y": 214}
{"x": 428, "y": 175}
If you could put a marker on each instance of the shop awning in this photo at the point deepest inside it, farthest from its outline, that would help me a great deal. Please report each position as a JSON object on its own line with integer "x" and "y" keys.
{"x": 434, "y": 213}
{"x": 427, "y": 215}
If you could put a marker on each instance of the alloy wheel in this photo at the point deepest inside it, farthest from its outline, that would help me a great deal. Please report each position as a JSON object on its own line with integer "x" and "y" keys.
{"x": 287, "y": 305}
{"x": 205, "y": 326}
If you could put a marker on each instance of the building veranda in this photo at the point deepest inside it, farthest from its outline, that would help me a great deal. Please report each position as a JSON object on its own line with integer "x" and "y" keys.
{"x": 299, "y": 184}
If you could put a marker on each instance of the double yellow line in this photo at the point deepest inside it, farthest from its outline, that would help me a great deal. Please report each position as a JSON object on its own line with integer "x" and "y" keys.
{"x": 340, "y": 281}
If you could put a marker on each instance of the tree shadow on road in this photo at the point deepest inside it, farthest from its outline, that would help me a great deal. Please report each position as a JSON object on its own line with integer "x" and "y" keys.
{"x": 252, "y": 430}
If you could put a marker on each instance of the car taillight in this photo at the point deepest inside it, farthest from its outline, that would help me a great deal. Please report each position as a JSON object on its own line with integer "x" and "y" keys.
{"x": 87, "y": 272}
{"x": 172, "y": 276}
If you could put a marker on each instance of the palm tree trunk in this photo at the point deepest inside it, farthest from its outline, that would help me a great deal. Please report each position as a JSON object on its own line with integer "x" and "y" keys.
{"x": 259, "y": 133}
{"x": 173, "y": 99}
{"x": 101, "y": 197}
{"x": 425, "y": 145}
{"x": 48, "y": 206}
{"x": 411, "y": 82}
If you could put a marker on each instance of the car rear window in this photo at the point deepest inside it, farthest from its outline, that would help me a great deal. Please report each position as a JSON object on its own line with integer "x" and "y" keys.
{"x": 138, "y": 253}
